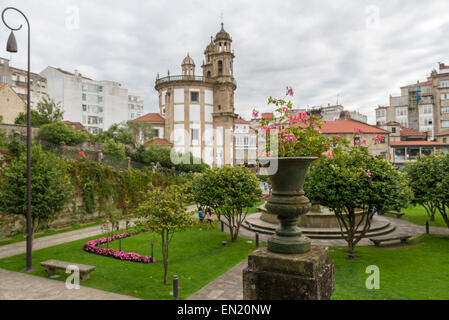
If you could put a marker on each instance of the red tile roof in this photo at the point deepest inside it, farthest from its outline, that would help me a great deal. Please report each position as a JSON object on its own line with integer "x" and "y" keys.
{"x": 407, "y": 132}
{"x": 267, "y": 116}
{"x": 158, "y": 141}
{"x": 70, "y": 73}
{"x": 417, "y": 143}
{"x": 443, "y": 133}
{"x": 76, "y": 125}
{"x": 350, "y": 126}
{"x": 151, "y": 117}
{"x": 241, "y": 121}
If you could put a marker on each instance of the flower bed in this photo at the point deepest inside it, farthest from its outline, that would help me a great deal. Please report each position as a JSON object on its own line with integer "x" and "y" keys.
{"x": 92, "y": 247}
{"x": 265, "y": 197}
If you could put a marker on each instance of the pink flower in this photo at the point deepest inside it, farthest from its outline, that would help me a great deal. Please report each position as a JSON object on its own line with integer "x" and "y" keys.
{"x": 330, "y": 153}
{"x": 269, "y": 153}
{"x": 358, "y": 131}
{"x": 289, "y": 91}
{"x": 380, "y": 139}
{"x": 364, "y": 142}
{"x": 284, "y": 109}
{"x": 255, "y": 114}
{"x": 368, "y": 174}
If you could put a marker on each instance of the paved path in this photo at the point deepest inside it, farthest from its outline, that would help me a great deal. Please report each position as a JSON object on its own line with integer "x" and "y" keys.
{"x": 21, "y": 286}
{"x": 228, "y": 286}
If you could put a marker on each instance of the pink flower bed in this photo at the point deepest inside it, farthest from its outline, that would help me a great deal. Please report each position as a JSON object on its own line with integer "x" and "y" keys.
{"x": 264, "y": 197}
{"x": 92, "y": 247}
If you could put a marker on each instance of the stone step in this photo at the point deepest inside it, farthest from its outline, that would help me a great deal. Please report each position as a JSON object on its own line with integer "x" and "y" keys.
{"x": 380, "y": 226}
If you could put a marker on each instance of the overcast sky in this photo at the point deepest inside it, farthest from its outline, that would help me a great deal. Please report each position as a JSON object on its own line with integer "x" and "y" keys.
{"x": 359, "y": 51}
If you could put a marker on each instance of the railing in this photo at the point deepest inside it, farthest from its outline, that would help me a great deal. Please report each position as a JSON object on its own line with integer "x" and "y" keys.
{"x": 183, "y": 78}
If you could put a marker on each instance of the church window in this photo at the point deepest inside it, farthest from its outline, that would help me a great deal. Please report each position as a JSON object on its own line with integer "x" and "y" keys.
{"x": 220, "y": 67}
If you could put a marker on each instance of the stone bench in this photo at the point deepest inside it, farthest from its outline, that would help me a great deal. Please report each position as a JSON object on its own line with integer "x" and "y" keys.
{"x": 396, "y": 213}
{"x": 378, "y": 240}
{"x": 51, "y": 266}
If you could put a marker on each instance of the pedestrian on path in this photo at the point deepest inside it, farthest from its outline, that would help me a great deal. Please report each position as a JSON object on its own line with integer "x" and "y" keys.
{"x": 209, "y": 219}
{"x": 201, "y": 217}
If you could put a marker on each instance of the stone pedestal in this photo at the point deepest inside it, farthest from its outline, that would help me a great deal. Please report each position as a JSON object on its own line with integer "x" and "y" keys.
{"x": 274, "y": 276}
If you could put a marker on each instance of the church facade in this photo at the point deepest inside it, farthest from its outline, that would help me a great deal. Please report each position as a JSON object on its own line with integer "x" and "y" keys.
{"x": 199, "y": 109}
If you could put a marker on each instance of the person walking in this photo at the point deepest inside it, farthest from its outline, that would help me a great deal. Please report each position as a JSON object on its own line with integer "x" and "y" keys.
{"x": 209, "y": 219}
{"x": 101, "y": 157}
{"x": 81, "y": 154}
{"x": 201, "y": 217}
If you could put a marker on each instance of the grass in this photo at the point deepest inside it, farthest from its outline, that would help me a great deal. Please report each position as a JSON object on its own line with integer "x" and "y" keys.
{"x": 197, "y": 257}
{"x": 418, "y": 215}
{"x": 254, "y": 209}
{"x": 416, "y": 271}
{"x": 49, "y": 232}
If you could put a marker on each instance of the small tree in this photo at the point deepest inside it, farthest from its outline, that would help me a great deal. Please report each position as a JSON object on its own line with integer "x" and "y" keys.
{"x": 355, "y": 181}
{"x": 58, "y": 132}
{"x": 50, "y": 186}
{"x": 230, "y": 191}
{"x": 164, "y": 212}
{"x": 429, "y": 180}
{"x": 114, "y": 149}
{"x": 47, "y": 111}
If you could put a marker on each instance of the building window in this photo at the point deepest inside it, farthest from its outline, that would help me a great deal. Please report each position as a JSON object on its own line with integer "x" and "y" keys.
{"x": 444, "y": 110}
{"x": 445, "y": 124}
{"x": 84, "y": 107}
{"x": 444, "y": 84}
{"x": 100, "y": 99}
{"x": 208, "y": 74}
{"x": 426, "y": 151}
{"x": 194, "y": 96}
{"x": 412, "y": 153}
{"x": 4, "y": 79}
{"x": 220, "y": 67}
{"x": 393, "y": 130}
{"x": 155, "y": 132}
{"x": 399, "y": 154}
{"x": 84, "y": 97}
{"x": 444, "y": 140}
{"x": 219, "y": 107}
{"x": 194, "y": 134}
{"x": 444, "y": 96}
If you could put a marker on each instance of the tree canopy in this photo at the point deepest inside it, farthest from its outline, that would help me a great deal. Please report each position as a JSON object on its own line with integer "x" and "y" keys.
{"x": 229, "y": 191}
{"x": 47, "y": 111}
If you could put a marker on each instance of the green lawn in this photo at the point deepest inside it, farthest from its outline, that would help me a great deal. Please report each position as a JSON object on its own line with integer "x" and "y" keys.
{"x": 197, "y": 257}
{"x": 254, "y": 209}
{"x": 417, "y": 271}
{"x": 418, "y": 215}
{"x": 49, "y": 232}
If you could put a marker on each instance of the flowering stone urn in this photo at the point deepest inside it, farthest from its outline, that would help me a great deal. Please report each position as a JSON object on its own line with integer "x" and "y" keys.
{"x": 288, "y": 202}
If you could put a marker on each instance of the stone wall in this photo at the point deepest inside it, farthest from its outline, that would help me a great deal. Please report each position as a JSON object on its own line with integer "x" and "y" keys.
{"x": 11, "y": 225}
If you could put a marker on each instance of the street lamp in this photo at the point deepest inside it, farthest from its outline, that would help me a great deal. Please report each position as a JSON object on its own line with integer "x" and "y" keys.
{"x": 11, "y": 46}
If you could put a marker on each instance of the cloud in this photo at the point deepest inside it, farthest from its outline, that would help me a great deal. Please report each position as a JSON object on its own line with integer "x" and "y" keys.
{"x": 360, "y": 51}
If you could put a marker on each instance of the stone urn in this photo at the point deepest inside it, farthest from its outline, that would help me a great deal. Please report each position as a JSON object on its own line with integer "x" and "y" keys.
{"x": 288, "y": 202}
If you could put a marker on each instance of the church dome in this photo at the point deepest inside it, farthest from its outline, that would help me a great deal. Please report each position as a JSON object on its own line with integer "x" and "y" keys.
{"x": 188, "y": 60}
{"x": 222, "y": 34}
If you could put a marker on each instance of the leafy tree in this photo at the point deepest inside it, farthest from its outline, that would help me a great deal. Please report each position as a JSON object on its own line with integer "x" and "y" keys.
{"x": 428, "y": 178}
{"x": 114, "y": 148}
{"x": 139, "y": 129}
{"x": 163, "y": 210}
{"x": 117, "y": 132}
{"x": 57, "y": 132}
{"x": 354, "y": 181}
{"x": 230, "y": 191}
{"x": 50, "y": 186}
{"x": 47, "y": 111}
{"x": 163, "y": 155}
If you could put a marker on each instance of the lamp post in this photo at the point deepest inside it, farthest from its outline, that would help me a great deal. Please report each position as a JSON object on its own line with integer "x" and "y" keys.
{"x": 11, "y": 46}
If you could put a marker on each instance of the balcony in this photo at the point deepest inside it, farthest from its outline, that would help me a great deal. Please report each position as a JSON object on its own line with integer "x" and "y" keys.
{"x": 187, "y": 78}
{"x": 184, "y": 78}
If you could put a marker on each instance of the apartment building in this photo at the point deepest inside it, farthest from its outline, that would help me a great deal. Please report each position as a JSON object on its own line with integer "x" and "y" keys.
{"x": 422, "y": 106}
{"x": 17, "y": 79}
{"x": 135, "y": 106}
{"x": 95, "y": 104}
